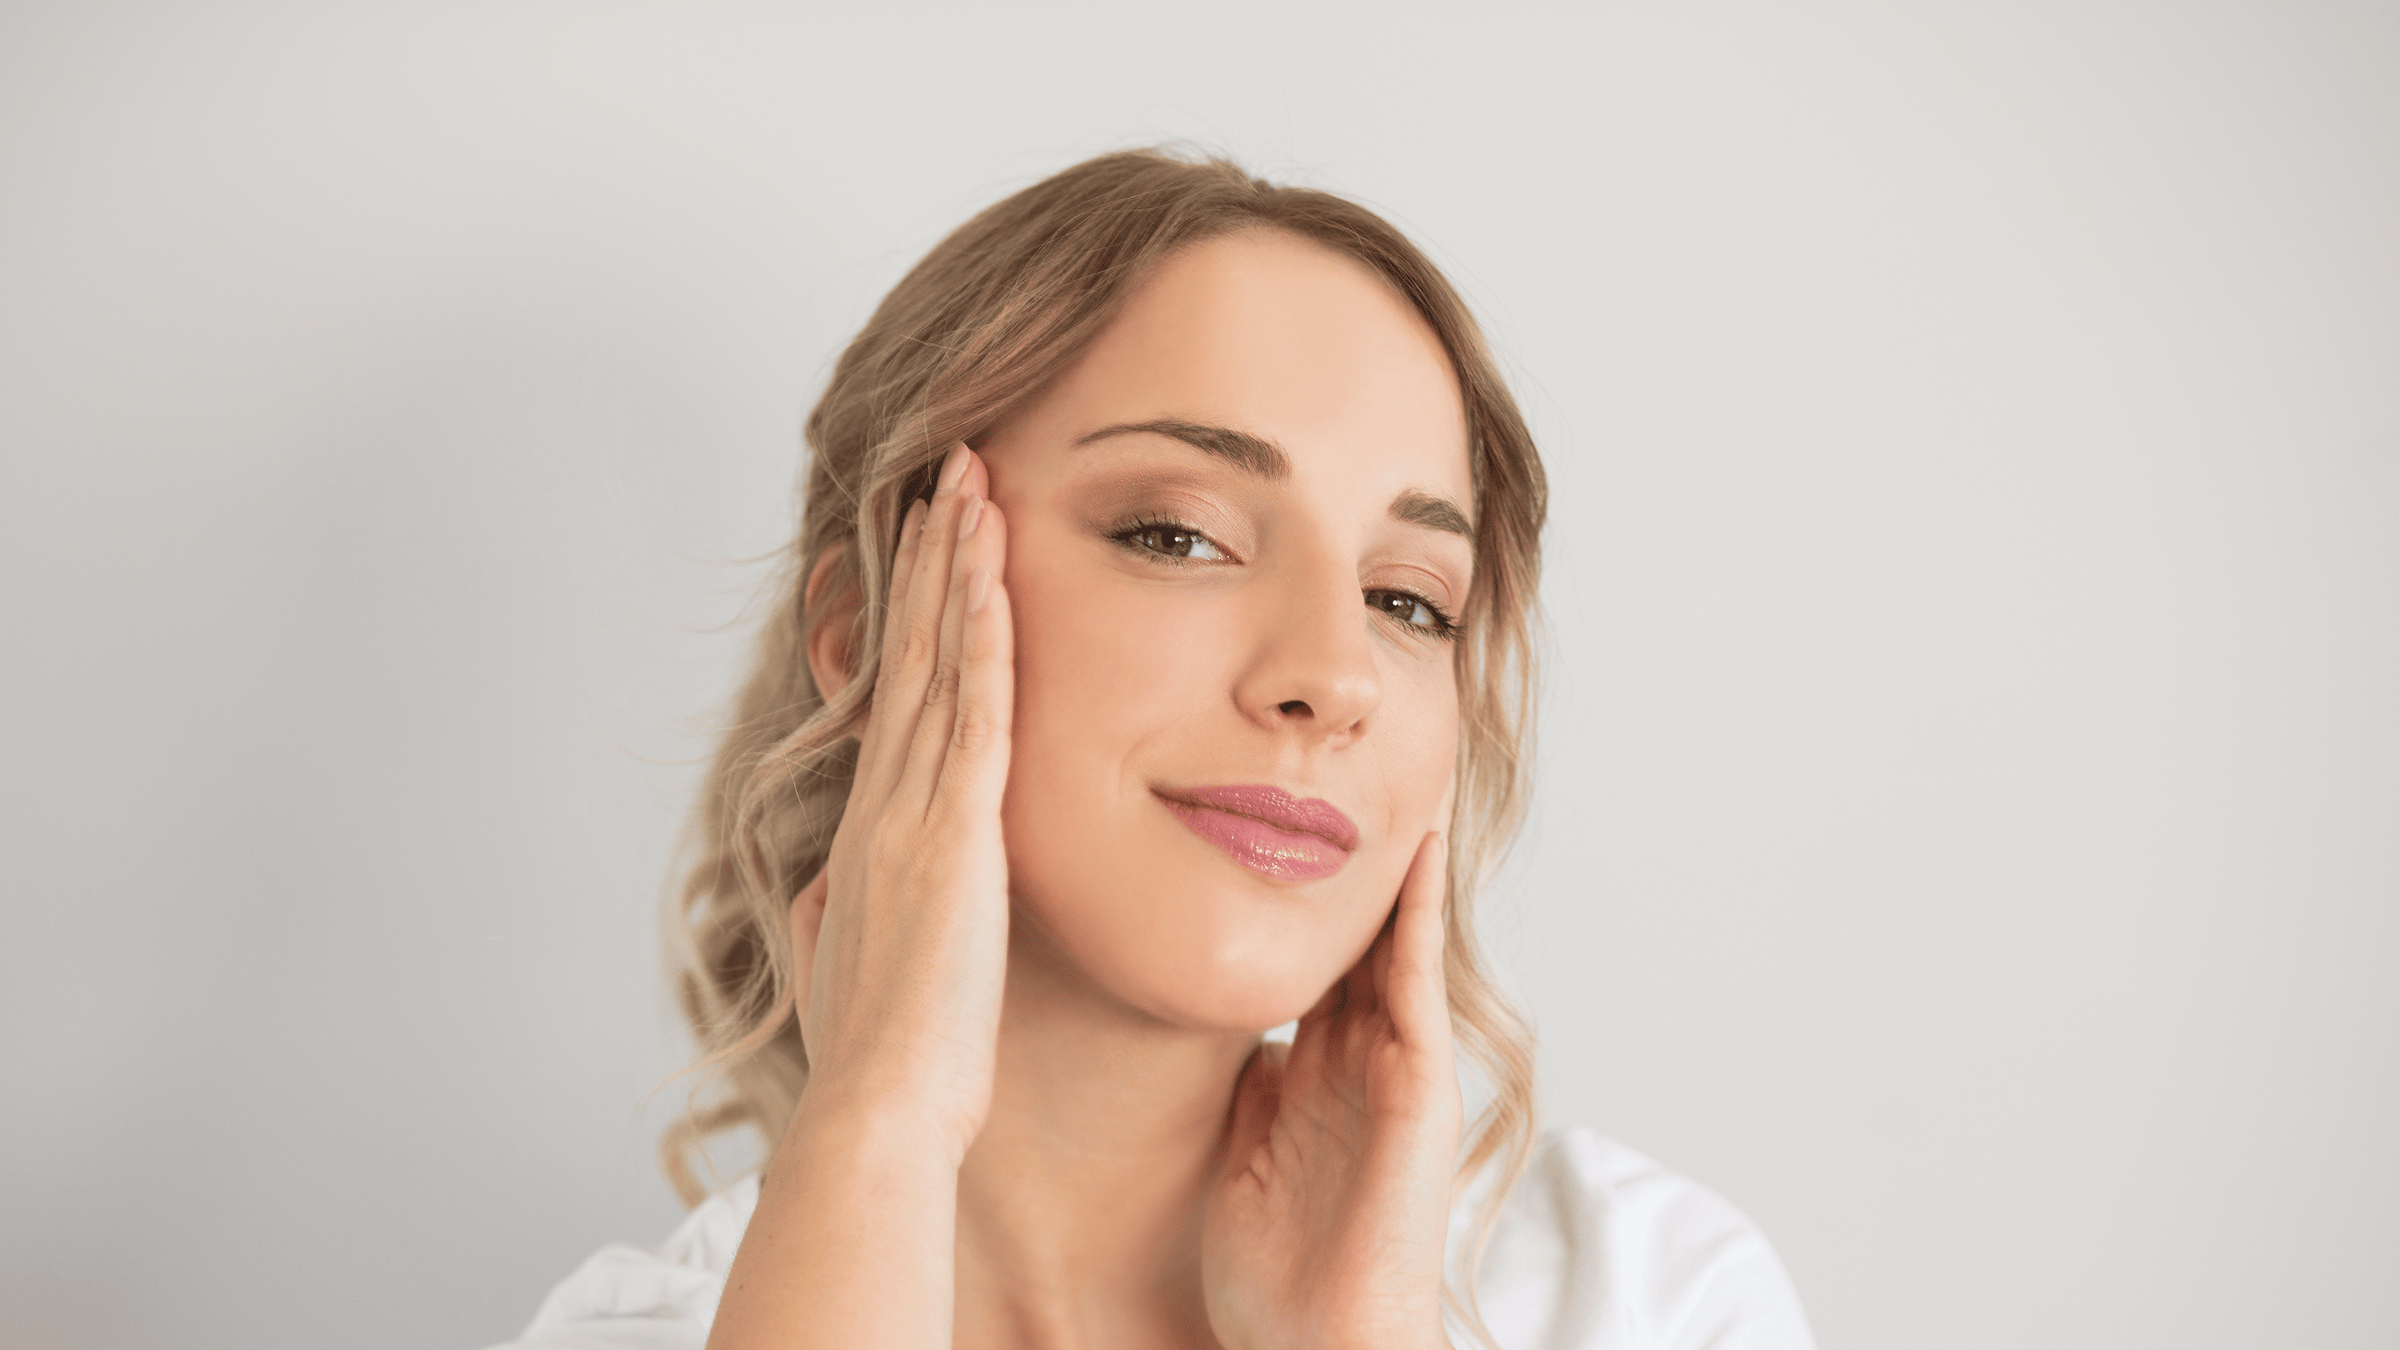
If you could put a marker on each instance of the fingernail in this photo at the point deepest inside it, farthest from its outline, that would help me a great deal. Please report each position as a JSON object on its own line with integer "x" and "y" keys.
{"x": 955, "y": 467}
{"x": 914, "y": 521}
{"x": 973, "y": 518}
{"x": 979, "y": 589}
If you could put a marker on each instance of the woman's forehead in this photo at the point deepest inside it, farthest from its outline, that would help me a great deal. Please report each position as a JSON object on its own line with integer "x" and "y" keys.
{"x": 1286, "y": 341}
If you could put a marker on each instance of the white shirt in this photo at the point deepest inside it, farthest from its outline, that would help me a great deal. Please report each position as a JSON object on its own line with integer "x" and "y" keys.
{"x": 1598, "y": 1248}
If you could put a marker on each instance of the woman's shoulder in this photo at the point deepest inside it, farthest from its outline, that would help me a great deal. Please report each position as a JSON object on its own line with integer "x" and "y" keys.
{"x": 1598, "y": 1247}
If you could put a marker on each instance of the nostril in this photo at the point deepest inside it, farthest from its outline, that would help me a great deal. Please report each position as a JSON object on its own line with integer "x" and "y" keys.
{"x": 1294, "y": 707}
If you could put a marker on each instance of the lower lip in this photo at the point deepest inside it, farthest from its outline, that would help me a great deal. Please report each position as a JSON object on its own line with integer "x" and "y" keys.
{"x": 1261, "y": 847}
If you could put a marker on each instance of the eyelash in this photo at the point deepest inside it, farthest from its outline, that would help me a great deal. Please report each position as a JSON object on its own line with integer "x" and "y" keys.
{"x": 1444, "y": 628}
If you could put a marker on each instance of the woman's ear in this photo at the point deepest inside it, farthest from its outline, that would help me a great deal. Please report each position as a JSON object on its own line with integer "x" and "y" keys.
{"x": 831, "y": 620}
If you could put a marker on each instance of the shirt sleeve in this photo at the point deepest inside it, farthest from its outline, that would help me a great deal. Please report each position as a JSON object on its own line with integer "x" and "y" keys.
{"x": 1599, "y": 1248}
{"x": 629, "y": 1298}
{"x": 1721, "y": 1287}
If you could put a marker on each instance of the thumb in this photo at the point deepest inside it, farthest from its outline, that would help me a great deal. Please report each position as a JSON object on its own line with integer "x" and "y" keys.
{"x": 1255, "y": 1101}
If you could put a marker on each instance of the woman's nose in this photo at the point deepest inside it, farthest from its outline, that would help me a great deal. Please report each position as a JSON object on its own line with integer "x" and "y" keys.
{"x": 1313, "y": 670}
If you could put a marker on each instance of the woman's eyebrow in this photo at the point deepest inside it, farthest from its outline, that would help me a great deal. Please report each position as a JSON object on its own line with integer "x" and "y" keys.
{"x": 1260, "y": 456}
{"x": 1423, "y": 508}
{"x": 1251, "y": 454}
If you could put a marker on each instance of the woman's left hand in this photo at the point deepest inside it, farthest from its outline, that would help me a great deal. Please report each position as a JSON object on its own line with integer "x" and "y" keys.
{"x": 1326, "y": 1226}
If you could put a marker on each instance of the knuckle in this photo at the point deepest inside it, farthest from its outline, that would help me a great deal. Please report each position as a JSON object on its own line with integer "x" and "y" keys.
{"x": 943, "y": 687}
{"x": 916, "y": 647}
{"x": 976, "y": 729}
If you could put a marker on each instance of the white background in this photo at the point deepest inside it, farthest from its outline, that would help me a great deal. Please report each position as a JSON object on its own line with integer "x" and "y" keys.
{"x": 1969, "y": 829}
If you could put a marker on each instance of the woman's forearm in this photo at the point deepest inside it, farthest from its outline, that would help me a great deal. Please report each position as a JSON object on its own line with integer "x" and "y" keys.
{"x": 853, "y": 1242}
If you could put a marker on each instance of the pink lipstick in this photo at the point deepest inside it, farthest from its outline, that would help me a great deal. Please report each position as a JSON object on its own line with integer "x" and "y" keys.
{"x": 1267, "y": 829}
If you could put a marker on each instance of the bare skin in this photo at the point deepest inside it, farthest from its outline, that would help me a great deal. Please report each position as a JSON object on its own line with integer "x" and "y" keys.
{"x": 1039, "y": 1113}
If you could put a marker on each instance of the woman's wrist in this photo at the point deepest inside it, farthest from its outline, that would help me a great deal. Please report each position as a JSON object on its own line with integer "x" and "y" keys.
{"x": 856, "y": 1204}
{"x": 884, "y": 1131}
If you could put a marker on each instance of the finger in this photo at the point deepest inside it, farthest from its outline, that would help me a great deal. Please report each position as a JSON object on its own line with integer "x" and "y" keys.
{"x": 807, "y": 920}
{"x": 912, "y": 638}
{"x": 1256, "y": 1098}
{"x": 1417, "y": 995}
{"x": 939, "y": 718}
{"x": 969, "y": 767}
{"x": 903, "y": 562}
{"x": 1380, "y": 954}
{"x": 904, "y": 567}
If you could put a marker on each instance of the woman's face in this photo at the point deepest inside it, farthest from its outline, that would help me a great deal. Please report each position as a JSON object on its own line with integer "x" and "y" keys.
{"x": 1236, "y": 524}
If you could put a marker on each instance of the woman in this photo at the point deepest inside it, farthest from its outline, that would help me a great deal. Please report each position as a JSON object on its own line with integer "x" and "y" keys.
{"x": 1151, "y": 670}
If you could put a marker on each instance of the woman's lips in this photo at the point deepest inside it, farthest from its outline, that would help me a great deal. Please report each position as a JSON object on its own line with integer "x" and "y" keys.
{"x": 1267, "y": 829}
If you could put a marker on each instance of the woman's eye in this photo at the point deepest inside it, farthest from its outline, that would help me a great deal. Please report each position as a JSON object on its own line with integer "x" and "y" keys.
{"x": 1173, "y": 541}
{"x": 1414, "y": 610}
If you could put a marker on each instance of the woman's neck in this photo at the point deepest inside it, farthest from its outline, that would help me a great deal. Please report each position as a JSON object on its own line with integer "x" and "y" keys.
{"x": 1079, "y": 1205}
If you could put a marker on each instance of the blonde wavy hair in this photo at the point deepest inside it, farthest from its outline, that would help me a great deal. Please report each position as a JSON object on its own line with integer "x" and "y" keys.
{"x": 986, "y": 319}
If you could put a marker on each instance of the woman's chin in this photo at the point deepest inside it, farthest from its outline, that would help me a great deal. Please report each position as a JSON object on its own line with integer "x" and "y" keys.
{"x": 1216, "y": 959}
{"x": 1231, "y": 987}
{"x": 1233, "y": 1008}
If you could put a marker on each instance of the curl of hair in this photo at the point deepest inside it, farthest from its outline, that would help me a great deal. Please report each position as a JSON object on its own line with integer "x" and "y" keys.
{"x": 989, "y": 316}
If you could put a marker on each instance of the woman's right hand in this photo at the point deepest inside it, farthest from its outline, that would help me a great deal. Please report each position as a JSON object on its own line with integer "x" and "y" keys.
{"x": 900, "y": 943}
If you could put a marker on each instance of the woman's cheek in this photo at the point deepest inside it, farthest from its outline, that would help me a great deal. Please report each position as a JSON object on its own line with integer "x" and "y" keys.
{"x": 1418, "y": 746}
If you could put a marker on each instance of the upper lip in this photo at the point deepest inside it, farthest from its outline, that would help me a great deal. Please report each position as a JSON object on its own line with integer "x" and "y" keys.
{"x": 1273, "y": 806}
